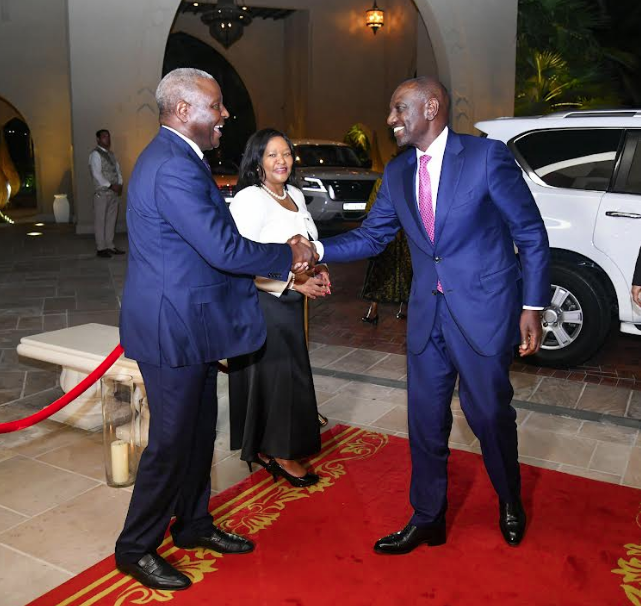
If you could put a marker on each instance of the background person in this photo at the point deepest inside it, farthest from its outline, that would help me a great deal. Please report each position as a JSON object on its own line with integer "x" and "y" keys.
{"x": 636, "y": 282}
{"x": 107, "y": 182}
{"x": 271, "y": 392}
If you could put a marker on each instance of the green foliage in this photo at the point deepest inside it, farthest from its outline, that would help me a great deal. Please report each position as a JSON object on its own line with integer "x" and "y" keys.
{"x": 357, "y": 138}
{"x": 561, "y": 63}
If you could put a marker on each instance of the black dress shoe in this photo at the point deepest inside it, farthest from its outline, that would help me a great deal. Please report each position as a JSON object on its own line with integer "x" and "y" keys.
{"x": 410, "y": 538}
{"x": 104, "y": 253}
{"x": 116, "y": 251}
{"x": 309, "y": 479}
{"x": 512, "y": 521}
{"x": 154, "y": 572}
{"x": 220, "y": 541}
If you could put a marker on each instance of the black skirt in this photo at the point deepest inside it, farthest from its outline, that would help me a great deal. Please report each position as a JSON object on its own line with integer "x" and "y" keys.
{"x": 271, "y": 392}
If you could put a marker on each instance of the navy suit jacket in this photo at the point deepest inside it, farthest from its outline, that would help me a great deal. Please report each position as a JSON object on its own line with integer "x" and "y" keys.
{"x": 184, "y": 301}
{"x": 483, "y": 208}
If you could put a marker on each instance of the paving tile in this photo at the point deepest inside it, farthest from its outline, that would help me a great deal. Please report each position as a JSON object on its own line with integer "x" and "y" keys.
{"x": 609, "y": 433}
{"x": 84, "y": 455}
{"x": 57, "y": 303}
{"x": 524, "y": 384}
{"x": 556, "y": 447}
{"x": 610, "y": 458}
{"x": 538, "y": 462}
{"x": 9, "y": 519}
{"x": 47, "y": 486}
{"x": 394, "y": 420}
{"x": 87, "y": 537}
{"x": 357, "y": 361}
{"x": 329, "y": 384}
{"x": 37, "y": 381}
{"x": 16, "y": 567}
{"x": 607, "y": 400}
{"x": 565, "y": 425}
{"x": 393, "y": 366}
{"x": 228, "y": 472}
{"x": 366, "y": 390}
{"x": 324, "y": 356}
{"x": 354, "y": 410}
{"x": 559, "y": 392}
{"x": 632, "y": 476}
{"x": 634, "y": 408}
{"x": 322, "y": 397}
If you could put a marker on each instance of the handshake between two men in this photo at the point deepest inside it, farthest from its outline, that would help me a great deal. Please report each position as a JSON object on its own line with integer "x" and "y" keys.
{"x": 304, "y": 255}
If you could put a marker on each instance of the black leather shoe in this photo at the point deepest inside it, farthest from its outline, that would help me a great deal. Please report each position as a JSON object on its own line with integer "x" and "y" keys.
{"x": 512, "y": 521}
{"x": 104, "y": 253}
{"x": 154, "y": 572}
{"x": 116, "y": 251}
{"x": 410, "y": 538}
{"x": 220, "y": 541}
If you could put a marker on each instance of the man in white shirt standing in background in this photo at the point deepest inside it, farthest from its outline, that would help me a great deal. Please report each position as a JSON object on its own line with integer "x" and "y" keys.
{"x": 107, "y": 181}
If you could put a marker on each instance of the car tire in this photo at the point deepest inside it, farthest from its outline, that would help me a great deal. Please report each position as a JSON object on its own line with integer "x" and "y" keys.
{"x": 575, "y": 291}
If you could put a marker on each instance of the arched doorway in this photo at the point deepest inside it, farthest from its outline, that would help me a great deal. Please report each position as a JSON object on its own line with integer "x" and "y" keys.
{"x": 184, "y": 50}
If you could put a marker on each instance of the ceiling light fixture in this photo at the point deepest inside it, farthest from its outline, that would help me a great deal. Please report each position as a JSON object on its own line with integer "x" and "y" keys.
{"x": 227, "y": 21}
{"x": 375, "y": 18}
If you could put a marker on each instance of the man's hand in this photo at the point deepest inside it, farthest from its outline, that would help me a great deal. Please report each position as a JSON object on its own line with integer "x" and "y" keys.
{"x": 636, "y": 294}
{"x": 304, "y": 254}
{"x": 116, "y": 188}
{"x": 531, "y": 332}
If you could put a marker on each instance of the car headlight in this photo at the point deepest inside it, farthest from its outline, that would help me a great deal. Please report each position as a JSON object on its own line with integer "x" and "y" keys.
{"x": 313, "y": 184}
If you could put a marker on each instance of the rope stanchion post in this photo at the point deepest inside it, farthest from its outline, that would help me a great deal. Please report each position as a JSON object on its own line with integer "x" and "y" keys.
{"x": 71, "y": 395}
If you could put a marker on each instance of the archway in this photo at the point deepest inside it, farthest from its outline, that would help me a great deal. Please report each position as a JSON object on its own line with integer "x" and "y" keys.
{"x": 184, "y": 50}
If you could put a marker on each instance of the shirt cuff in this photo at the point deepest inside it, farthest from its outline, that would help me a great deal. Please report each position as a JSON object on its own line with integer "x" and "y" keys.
{"x": 533, "y": 308}
{"x": 320, "y": 249}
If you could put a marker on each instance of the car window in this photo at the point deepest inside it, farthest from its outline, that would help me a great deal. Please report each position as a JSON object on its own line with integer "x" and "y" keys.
{"x": 326, "y": 155}
{"x": 630, "y": 183}
{"x": 571, "y": 158}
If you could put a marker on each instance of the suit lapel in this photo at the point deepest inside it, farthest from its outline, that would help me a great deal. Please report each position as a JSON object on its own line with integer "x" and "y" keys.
{"x": 450, "y": 174}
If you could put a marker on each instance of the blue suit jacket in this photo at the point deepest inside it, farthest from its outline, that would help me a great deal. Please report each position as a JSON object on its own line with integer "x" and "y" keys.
{"x": 183, "y": 301}
{"x": 483, "y": 207}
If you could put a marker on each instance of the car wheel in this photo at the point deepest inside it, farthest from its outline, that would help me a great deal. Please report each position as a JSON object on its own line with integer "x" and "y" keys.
{"x": 578, "y": 319}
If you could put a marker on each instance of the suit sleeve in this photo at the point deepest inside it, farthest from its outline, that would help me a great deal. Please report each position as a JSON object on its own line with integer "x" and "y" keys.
{"x": 514, "y": 200}
{"x": 370, "y": 239}
{"x": 184, "y": 200}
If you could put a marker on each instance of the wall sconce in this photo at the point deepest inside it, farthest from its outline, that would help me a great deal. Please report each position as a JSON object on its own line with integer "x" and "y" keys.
{"x": 375, "y": 18}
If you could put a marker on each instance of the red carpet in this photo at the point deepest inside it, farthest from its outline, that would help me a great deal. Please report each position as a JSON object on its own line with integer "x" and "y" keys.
{"x": 314, "y": 546}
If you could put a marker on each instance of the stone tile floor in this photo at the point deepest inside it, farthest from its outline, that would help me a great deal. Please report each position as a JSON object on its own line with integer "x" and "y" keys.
{"x": 52, "y": 486}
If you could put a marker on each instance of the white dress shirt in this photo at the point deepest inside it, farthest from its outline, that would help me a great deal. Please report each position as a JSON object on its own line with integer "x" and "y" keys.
{"x": 261, "y": 218}
{"x": 95, "y": 166}
{"x": 188, "y": 140}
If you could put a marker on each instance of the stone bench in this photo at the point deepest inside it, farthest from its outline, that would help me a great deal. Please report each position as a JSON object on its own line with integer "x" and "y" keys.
{"x": 79, "y": 350}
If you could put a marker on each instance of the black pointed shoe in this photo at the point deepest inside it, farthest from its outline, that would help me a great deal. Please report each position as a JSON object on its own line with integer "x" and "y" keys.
{"x": 410, "y": 538}
{"x": 220, "y": 541}
{"x": 154, "y": 572}
{"x": 512, "y": 521}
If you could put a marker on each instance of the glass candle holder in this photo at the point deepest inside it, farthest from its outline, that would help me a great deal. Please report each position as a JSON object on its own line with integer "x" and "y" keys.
{"x": 121, "y": 417}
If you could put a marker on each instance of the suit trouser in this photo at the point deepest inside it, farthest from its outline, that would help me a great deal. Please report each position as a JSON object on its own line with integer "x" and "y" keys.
{"x": 485, "y": 393}
{"x": 174, "y": 472}
{"x": 105, "y": 213}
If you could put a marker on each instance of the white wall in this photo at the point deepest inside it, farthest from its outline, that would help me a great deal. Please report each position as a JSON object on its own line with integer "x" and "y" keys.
{"x": 34, "y": 78}
{"x": 116, "y": 50}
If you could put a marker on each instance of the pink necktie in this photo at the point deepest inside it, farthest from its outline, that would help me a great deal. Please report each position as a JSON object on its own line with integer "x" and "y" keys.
{"x": 425, "y": 206}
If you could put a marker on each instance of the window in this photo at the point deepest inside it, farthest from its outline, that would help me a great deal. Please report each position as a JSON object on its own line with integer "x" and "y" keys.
{"x": 326, "y": 155}
{"x": 571, "y": 158}
{"x": 630, "y": 183}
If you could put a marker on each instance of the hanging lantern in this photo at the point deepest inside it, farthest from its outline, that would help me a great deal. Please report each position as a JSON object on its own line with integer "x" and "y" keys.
{"x": 375, "y": 18}
{"x": 227, "y": 22}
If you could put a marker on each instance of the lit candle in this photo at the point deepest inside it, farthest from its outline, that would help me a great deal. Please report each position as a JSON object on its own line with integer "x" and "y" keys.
{"x": 120, "y": 462}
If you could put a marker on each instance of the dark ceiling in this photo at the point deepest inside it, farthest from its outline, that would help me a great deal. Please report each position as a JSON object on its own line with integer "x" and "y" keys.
{"x": 256, "y": 13}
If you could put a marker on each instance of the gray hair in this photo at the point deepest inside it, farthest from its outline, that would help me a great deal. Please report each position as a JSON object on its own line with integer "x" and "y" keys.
{"x": 179, "y": 85}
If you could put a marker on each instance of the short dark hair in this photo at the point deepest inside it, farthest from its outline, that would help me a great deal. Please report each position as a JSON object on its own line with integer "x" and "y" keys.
{"x": 102, "y": 130}
{"x": 251, "y": 166}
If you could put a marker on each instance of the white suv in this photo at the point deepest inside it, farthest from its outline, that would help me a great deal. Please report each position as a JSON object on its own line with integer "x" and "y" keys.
{"x": 584, "y": 170}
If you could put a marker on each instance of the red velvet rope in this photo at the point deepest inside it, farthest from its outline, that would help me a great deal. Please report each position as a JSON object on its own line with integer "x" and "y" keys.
{"x": 72, "y": 394}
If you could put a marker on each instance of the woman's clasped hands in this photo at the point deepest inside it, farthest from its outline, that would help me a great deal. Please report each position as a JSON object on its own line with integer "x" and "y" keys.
{"x": 314, "y": 283}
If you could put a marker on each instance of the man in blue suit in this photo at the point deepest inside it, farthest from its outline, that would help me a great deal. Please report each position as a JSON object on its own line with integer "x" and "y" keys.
{"x": 463, "y": 204}
{"x": 188, "y": 301}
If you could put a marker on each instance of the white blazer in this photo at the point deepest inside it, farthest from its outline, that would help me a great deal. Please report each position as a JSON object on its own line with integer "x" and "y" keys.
{"x": 261, "y": 218}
